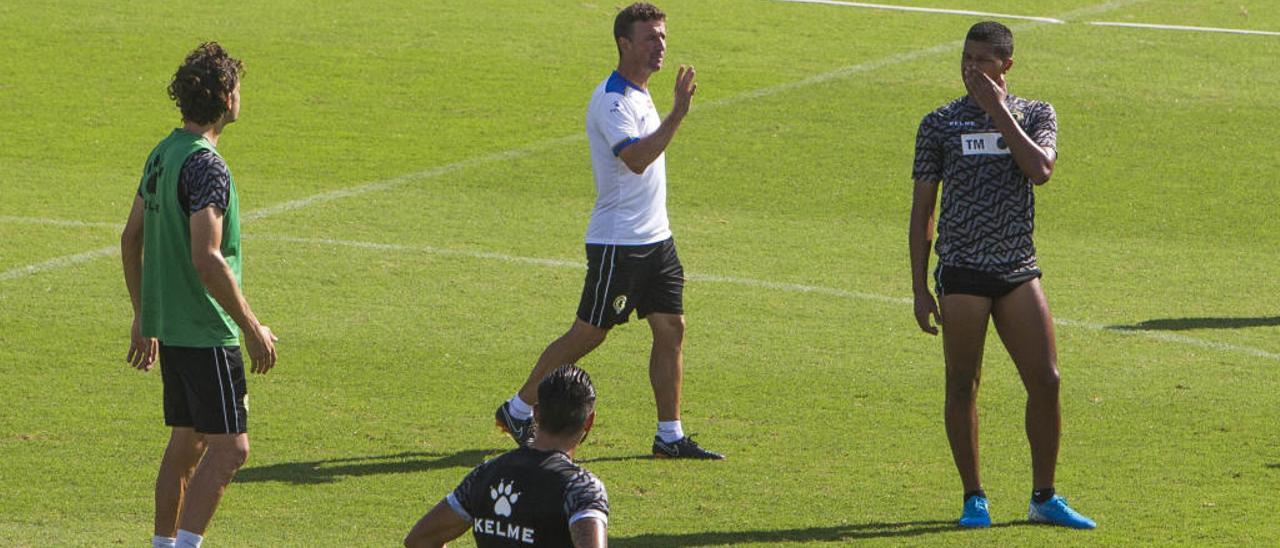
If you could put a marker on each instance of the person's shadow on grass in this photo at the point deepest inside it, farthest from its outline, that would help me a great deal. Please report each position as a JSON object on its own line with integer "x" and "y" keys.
{"x": 331, "y": 470}
{"x": 1183, "y": 324}
{"x": 838, "y": 533}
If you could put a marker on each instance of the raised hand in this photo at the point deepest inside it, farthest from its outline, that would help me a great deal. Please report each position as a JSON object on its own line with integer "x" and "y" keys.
{"x": 986, "y": 92}
{"x": 685, "y": 87}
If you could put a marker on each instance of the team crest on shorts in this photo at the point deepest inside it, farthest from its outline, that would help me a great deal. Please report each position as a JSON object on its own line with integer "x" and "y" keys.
{"x": 619, "y": 303}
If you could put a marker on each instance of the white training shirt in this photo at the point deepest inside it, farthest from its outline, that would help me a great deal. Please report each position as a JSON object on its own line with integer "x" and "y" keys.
{"x": 630, "y": 209}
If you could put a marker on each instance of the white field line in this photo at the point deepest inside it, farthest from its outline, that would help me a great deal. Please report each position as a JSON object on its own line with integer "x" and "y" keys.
{"x": 927, "y": 10}
{"x": 1183, "y": 28}
{"x": 763, "y": 284}
{"x": 57, "y": 222}
{"x": 387, "y": 184}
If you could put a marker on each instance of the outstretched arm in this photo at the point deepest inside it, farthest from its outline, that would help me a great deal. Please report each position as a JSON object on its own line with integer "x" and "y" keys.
{"x": 639, "y": 154}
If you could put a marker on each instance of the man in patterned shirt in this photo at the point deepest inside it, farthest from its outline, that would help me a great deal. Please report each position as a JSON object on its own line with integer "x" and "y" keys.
{"x": 989, "y": 148}
{"x": 534, "y": 495}
{"x": 181, "y": 254}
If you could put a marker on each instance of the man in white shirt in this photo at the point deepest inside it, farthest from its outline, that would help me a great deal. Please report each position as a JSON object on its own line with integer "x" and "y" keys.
{"x": 631, "y": 256}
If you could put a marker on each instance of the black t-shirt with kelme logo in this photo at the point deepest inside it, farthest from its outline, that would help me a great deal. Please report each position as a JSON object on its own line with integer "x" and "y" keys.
{"x": 988, "y": 208}
{"x": 528, "y": 497}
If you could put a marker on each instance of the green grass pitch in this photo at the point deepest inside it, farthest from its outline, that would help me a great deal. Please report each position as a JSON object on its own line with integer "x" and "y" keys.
{"x": 410, "y": 306}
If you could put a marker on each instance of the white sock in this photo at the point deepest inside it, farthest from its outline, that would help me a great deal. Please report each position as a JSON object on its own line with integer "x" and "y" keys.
{"x": 670, "y": 431}
{"x": 187, "y": 539}
{"x": 518, "y": 408}
{"x": 163, "y": 542}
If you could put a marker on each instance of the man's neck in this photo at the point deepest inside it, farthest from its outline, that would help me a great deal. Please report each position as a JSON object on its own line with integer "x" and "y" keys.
{"x": 563, "y": 444}
{"x": 210, "y": 132}
{"x": 638, "y": 75}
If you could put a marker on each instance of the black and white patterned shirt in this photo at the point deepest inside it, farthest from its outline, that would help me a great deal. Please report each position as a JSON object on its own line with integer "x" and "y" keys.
{"x": 988, "y": 207}
{"x": 528, "y": 497}
{"x": 204, "y": 181}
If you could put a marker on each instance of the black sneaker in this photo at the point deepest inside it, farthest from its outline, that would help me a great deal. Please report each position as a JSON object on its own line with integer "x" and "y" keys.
{"x": 520, "y": 430}
{"x": 683, "y": 448}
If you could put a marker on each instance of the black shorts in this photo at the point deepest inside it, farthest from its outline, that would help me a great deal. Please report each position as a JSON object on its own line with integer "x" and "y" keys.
{"x": 621, "y": 278}
{"x": 954, "y": 280}
{"x": 204, "y": 389}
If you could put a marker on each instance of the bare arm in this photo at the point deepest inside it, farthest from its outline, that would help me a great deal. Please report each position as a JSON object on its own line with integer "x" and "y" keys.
{"x": 638, "y": 155}
{"x": 142, "y": 350}
{"x": 438, "y": 527}
{"x": 216, "y": 275}
{"x": 923, "y": 203}
{"x": 589, "y": 533}
{"x": 1034, "y": 160}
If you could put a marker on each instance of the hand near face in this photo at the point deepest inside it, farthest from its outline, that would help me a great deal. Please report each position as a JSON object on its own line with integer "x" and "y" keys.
{"x": 984, "y": 91}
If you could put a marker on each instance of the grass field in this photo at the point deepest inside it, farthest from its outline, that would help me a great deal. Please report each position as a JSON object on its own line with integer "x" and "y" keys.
{"x": 415, "y": 185}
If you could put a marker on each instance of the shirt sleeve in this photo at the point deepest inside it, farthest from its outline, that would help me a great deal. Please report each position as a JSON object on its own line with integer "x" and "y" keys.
{"x": 206, "y": 180}
{"x": 929, "y": 153}
{"x": 616, "y": 120}
{"x": 585, "y": 497}
{"x": 1044, "y": 127}
{"x": 460, "y": 498}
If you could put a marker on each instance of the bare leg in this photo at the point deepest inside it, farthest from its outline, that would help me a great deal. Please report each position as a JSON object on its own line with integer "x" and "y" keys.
{"x": 666, "y": 363}
{"x": 964, "y": 333}
{"x": 579, "y": 341}
{"x": 225, "y": 454}
{"x": 185, "y": 449}
{"x": 1022, "y": 318}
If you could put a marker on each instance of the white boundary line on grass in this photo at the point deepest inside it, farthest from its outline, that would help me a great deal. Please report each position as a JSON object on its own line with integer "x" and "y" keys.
{"x": 927, "y": 10}
{"x": 57, "y": 222}
{"x": 387, "y": 184}
{"x": 1179, "y": 27}
{"x": 763, "y": 284}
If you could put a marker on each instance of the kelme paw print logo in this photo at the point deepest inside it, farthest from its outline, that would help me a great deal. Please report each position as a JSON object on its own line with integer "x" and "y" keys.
{"x": 503, "y": 498}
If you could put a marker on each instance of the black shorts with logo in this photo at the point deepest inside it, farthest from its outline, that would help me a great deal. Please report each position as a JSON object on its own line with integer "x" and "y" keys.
{"x": 204, "y": 389}
{"x": 954, "y": 280}
{"x": 621, "y": 278}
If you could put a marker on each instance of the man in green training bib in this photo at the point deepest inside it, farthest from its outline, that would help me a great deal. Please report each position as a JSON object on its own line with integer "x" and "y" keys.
{"x": 181, "y": 253}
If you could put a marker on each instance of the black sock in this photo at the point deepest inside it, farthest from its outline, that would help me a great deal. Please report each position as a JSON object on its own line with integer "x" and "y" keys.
{"x": 1040, "y": 496}
{"x": 971, "y": 494}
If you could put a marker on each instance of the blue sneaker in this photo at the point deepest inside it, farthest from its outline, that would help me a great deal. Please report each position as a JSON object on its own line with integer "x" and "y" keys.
{"x": 975, "y": 513}
{"x": 1055, "y": 511}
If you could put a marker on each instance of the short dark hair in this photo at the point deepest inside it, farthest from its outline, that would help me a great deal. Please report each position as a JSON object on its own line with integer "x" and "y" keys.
{"x": 203, "y": 82}
{"x": 639, "y": 11}
{"x": 565, "y": 400}
{"x": 996, "y": 34}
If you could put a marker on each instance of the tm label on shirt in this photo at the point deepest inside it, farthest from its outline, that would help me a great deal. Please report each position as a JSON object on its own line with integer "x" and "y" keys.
{"x": 975, "y": 144}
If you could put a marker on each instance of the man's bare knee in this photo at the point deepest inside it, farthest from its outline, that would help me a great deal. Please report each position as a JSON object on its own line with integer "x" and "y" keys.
{"x": 585, "y": 335}
{"x": 1044, "y": 384}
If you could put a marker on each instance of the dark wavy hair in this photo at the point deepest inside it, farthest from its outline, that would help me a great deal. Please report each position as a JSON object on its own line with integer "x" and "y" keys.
{"x": 996, "y": 34}
{"x": 203, "y": 82}
{"x": 639, "y": 11}
{"x": 565, "y": 400}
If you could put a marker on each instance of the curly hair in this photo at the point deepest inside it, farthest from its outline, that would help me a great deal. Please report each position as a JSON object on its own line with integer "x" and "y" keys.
{"x": 203, "y": 82}
{"x": 639, "y": 11}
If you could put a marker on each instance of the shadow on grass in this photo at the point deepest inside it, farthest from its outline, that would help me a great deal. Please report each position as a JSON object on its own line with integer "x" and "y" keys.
{"x": 1182, "y": 324}
{"x": 645, "y": 456}
{"x": 840, "y": 533}
{"x": 331, "y": 470}
{"x": 1274, "y": 466}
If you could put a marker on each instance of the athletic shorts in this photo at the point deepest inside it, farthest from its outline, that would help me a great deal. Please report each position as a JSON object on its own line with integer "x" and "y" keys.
{"x": 954, "y": 280}
{"x": 621, "y": 278}
{"x": 204, "y": 389}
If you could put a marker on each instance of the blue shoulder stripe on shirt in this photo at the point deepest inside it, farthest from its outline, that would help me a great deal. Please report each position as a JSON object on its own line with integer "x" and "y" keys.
{"x": 617, "y": 149}
{"x": 618, "y": 83}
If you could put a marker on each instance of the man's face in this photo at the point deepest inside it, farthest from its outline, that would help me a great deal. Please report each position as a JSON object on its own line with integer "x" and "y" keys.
{"x": 647, "y": 44}
{"x": 982, "y": 57}
{"x": 233, "y": 106}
